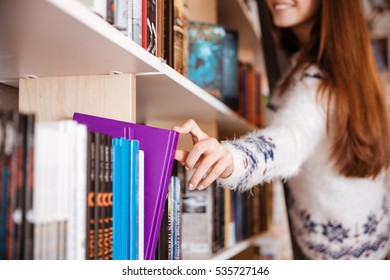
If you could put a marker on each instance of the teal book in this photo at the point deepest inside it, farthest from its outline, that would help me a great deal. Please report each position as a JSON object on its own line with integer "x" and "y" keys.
{"x": 125, "y": 195}
{"x": 118, "y": 248}
{"x": 205, "y": 56}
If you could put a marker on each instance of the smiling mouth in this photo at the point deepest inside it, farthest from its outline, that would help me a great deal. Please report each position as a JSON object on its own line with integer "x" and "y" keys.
{"x": 282, "y": 7}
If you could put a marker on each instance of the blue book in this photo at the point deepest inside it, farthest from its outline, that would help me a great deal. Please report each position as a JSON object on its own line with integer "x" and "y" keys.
{"x": 205, "y": 61}
{"x": 125, "y": 195}
{"x": 117, "y": 246}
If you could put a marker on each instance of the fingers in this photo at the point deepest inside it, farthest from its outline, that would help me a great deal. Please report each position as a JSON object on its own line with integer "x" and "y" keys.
{"x": 215, "y": 172}
{"x": 191, "y": 127}
{"x": 210, "y": 160}
{"x": 202, "y": 148}
{"x": 181, "y": 156}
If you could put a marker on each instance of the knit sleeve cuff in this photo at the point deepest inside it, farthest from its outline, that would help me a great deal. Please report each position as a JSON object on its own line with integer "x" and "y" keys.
{"x": 239, "y": 167}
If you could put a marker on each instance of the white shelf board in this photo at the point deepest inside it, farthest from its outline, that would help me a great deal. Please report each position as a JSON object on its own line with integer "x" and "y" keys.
{"x": 234, "y": 14}
{"x": 61, "y": 38}
{"x": 169, "y": 95}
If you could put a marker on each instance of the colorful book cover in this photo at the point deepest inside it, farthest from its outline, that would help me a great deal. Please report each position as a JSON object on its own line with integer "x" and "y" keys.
{"x": 205, "y": 61}
{"x": 159, "y": 146}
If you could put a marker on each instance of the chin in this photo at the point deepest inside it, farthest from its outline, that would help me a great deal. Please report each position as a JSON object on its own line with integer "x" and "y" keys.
{"x": 283, "y": 23}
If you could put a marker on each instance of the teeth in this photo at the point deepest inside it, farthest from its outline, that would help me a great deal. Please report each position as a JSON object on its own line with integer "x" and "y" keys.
{"x": 282, "y": 6}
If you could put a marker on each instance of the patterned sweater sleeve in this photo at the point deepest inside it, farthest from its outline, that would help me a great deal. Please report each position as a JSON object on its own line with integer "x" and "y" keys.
{"x": 278, "y": 151}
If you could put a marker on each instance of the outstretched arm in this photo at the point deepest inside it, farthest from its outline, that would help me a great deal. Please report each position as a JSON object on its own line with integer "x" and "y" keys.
{"x": 275, "y": 152}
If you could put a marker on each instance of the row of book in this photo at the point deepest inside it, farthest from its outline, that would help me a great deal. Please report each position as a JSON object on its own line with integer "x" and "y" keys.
{"x": 199, "y": 224}
{"x": 88, "y": 188}
{"x": 206, "y": 53}
{"x": 16, "y": 185}
{"x": 252, "y": 99}
{"x": 155, "y": 25}
{"x": 96, "y": 188}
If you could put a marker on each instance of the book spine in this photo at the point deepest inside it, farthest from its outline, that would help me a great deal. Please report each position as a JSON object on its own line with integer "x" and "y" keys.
{"x": 133, "y": 195}
{"x": 136, "y": 22}
{"x": 145, "y": 24}
{"x": 98, "y": 225}
{"x": 117, "y": 200}
{"x": 29, "y": 188}
{"x": 91, "y": 217}
{"x": 160, "y": 28}
{"x": 110, "y": 11}
{"x": 168, "y": 31}
{"x": 151, "y": 27}
{"x": 121, "y": 16}
{"x": 12, "y": 138}
{"x": 3, "y": 185}
{"x": 107, "y": 244}
{"x": 141, "y": 203}
{"x": 110, "y": 197}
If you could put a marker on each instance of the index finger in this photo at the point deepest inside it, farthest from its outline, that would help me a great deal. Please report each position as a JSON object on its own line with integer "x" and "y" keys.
{"x": 181, "y": 156}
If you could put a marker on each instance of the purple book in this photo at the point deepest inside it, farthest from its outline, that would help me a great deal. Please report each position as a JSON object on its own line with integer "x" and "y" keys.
{"x": 159, "y": 147}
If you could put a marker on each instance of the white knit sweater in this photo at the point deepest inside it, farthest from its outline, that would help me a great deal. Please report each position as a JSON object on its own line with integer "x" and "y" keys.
{"x": 333, "y": 217}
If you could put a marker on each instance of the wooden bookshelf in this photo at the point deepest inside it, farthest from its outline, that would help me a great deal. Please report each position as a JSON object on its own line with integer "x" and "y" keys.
{"x": 64, "y": 38}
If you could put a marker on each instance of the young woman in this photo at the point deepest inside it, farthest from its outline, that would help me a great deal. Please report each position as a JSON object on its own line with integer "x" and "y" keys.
{"x": 328, "y": 138}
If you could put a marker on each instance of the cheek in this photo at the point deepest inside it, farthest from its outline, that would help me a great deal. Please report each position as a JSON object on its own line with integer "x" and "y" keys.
{"x": 309, "y": 9}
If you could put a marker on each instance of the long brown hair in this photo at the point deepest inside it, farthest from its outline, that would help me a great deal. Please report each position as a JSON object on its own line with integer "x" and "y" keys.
{"x": 340, "y": 47}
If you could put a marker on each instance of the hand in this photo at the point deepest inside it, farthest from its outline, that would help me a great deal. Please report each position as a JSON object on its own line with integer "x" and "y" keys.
{"x": 210, "y": 159}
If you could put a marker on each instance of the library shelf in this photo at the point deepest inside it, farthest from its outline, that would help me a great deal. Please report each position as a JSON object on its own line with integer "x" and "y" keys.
{"x": 64, "y": 38}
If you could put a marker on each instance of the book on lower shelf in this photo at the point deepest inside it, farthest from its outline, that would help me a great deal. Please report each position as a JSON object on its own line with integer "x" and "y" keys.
{"x": 212, "y": 221}
{"x": 159, "y": 146}
{"x": 56, "y": 196}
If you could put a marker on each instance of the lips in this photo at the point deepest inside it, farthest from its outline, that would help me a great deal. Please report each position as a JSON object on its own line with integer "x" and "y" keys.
{"x": 281, "y": 6}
